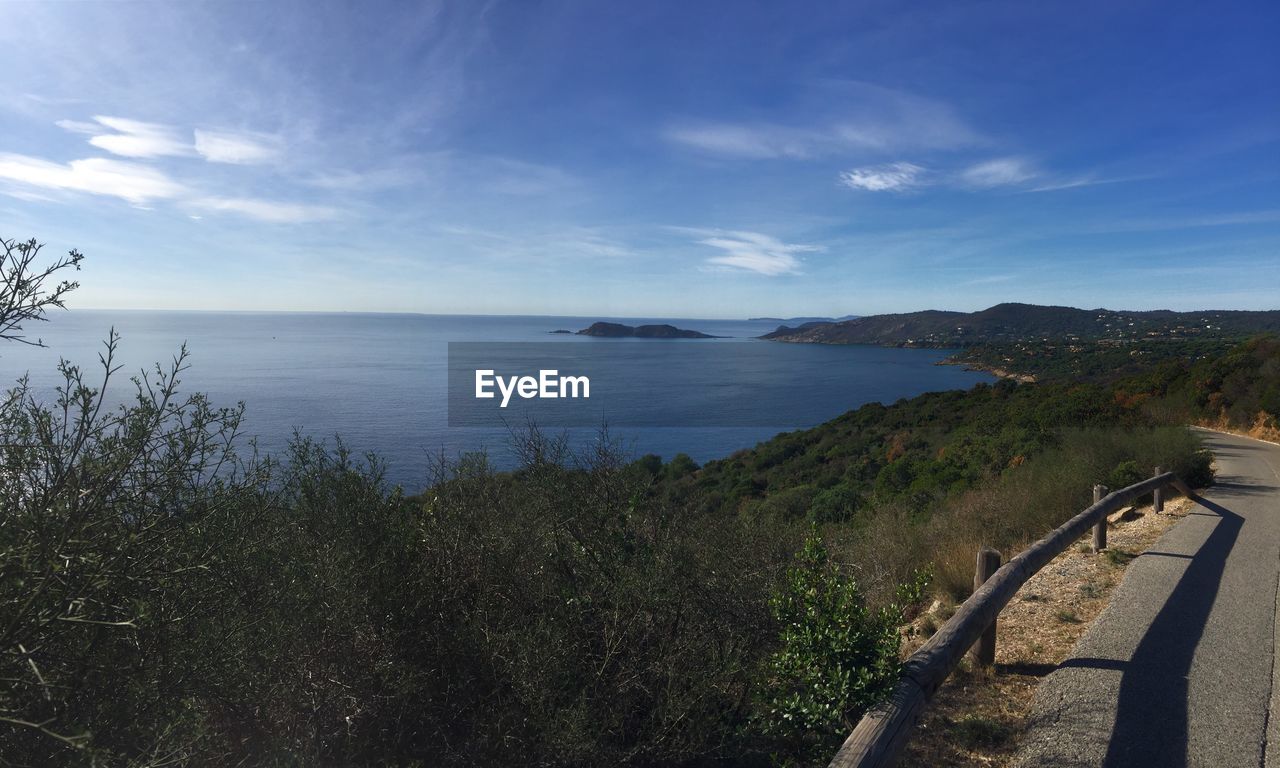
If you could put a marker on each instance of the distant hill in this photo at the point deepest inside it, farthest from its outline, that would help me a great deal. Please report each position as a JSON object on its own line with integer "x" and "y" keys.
{"x": 618, "y": 331}
{"x": 801, "y": 320}
{"x": 1029, "y": 322}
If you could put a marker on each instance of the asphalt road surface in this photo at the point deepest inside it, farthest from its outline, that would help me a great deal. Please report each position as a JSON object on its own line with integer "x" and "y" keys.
{"x": 1180, "y": 668}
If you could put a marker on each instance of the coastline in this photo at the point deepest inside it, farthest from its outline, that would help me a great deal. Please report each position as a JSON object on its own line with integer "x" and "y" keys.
{"x": 955, "y": 359}
{"x": 969, "y": 365}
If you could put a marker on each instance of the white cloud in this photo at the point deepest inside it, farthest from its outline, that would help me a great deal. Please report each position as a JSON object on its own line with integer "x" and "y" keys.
{"x": 545, "y": 247}
{"x": 1083, "y": 181}
{"x": 754, "y": 141}
{"x": 236, "y": 148}
{"x": 836, "y": 118}
{"x": 28, "y": 195}
{"x": 269, "y": 211}
{"x": 77, "y": 126}
{"x": 895, "y": 177}
{"x": 134, "y": 138}
{"x": 140, "y": 184}
{"x": 753, "y": 252}
{"x": 989, "y": 174}
{"x": 1001, "y": 172}
{"x": 97, "y": 175}
{"x": 131, "y": 138}
{"x": 355, "y": 181}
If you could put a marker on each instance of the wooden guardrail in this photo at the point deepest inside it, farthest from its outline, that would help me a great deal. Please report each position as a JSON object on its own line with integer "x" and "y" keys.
{"x": 880, "y": 736}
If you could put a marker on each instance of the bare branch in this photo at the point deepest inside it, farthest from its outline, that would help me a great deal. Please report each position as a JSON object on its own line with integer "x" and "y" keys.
{"x": 28, "y": 290}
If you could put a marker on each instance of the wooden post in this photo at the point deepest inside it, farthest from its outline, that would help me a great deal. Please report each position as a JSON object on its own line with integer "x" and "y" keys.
{"x": 1157, "y": 495}
{"x": 984, "y": 651}
{"x": 881, "y": 734}
{"x": 1099, "y": 530}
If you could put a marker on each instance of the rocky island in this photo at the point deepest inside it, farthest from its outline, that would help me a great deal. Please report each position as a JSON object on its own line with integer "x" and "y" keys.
{"x": 620, "y": 331}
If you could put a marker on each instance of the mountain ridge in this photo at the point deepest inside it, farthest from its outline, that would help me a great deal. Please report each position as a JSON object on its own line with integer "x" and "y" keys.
{"x": 1014, "y": 322}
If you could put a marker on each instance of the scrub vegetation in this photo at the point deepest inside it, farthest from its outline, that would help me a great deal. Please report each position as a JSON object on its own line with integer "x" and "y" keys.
{"x": 168, "y": 596}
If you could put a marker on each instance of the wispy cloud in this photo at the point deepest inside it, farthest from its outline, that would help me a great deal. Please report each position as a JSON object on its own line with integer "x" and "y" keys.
{"x": 749, "y": 141}
{"x": 990, "y": 279}
{"x": 28, "y": 195}
{"x": 270, "y": 211}
{"x": 346, "y": 180}
{"x": 1229, "y": 219}
{"x": 236, "y": 148}
{"x": 1082, "y": 181}
{"x": 506, "y": 176}
{"x": 897, "y": 177}
{"x": 990, "y": 174}
{"x": 1000, "y": 172}
{"x": 131, "y": 138}
{"x": 752, "y": 251}
{"x": 138, "y": 184}
{"x": 141, "y": 184}
{"x": 137, "y": 139}
{"x": 839, "y": 118}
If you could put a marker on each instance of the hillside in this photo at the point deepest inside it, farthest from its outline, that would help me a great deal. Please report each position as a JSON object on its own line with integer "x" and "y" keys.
{"x": 1007, "y": 323}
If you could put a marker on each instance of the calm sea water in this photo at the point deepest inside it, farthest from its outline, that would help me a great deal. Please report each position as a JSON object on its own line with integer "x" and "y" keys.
{"x": 379, "y": 380}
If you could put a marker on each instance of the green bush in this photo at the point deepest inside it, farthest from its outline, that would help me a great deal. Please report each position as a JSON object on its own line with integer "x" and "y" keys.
{"x": 837, "y": 504}
{"x": 837, "y": 658}
{"x": 1126, "y": 473}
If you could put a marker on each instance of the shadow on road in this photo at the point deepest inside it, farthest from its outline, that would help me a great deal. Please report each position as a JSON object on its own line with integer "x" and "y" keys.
{"x": 1151, "y": 715}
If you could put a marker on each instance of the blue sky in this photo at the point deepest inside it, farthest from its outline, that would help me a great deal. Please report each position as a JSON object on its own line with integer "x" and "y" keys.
{"x": 713, "y": 159}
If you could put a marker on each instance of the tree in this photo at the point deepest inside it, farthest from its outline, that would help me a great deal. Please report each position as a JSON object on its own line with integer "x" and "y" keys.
{"x": 110, "y": 518}
{"x": 27, "y": 290}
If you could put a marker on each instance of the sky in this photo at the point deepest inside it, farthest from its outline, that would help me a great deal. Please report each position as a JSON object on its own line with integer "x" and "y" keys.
{"x": 655, "y": 159}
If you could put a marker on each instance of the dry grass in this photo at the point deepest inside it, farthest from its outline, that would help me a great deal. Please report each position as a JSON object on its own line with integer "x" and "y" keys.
{"x": 978, "y": 715}
{"x": 1264, "y": 427}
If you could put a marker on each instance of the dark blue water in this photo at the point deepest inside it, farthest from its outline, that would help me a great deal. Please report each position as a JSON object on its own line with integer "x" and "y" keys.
{"x": 379, "y": 381}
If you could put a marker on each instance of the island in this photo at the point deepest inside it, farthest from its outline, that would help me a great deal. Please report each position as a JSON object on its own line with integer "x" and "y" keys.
{"x": 620, "y": 331}
{"x": 559, "y": 330}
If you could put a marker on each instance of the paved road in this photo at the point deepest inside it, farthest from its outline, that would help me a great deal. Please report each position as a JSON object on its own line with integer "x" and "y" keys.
{"x": 1179, "y": 670}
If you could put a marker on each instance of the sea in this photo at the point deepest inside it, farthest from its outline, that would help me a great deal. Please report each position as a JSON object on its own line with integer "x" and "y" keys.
{"x": 379, "y": 382}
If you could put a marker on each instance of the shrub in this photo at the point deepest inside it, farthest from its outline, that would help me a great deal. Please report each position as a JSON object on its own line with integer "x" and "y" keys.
{"x": 837, "y": 504}
{"x": 113, "y": 525}
{"x": 837, "y": 658}
{"x": 1126, "y": 473}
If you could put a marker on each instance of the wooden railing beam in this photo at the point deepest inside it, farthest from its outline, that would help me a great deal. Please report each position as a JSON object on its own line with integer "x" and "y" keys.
{"x": 882, "y": 733}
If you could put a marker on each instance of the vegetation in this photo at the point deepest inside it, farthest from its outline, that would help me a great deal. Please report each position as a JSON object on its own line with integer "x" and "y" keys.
{"x": 911, "y": 454}
{"x": 1013, "y": 323}
{"x": 1089, "y": 360}
{"x": 27, "y": 291}
{"x": 1238, "y": 390}
{"x": 165, "y": 599}
{"x": 836, "y": 659}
